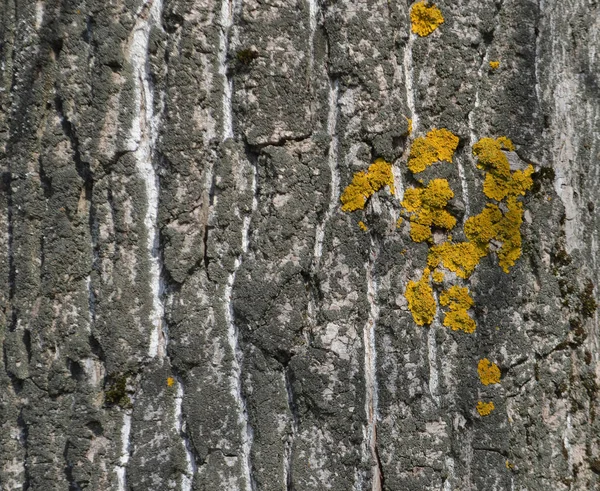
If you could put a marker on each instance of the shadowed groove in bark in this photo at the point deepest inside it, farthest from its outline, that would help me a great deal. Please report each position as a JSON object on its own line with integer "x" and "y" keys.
{"x": 144, "y": 132}
{"x": 232, "y": 336}
{"x": 181, "y": 428}
{"x": 289, "y": 447}
{"x": 409, "y": 81}
{"x": 370, "y": 370}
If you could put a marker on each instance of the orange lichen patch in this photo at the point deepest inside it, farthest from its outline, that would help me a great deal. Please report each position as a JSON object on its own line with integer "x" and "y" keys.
{"x": 458, "y": 300}
{"x": 509, "y": 232}
{"x": 491, "y": 223}
{"x": 489, "y": 373}
{"x": 366, "y": 183}
{"x": 506, "y": 143}
{"x": 426, "y": 206}
{"x": 499, "y": 181}
{"x": 485, "y": 408}
{"x": 170, "y": 381}
{"x": 481, "y": 229}
{"x": 460, "y": 258}
{"x": 421, "y": 301}
{"x": 437, "y": 276}
{"x": 435, "y": 146}
{"x": 362, "y": 226}
{"x": 494, "y": 65}
{"x": 425, "y": 18}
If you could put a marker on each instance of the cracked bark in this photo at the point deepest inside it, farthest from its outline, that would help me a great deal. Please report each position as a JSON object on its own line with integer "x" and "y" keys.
{"x": 183, "y": 304}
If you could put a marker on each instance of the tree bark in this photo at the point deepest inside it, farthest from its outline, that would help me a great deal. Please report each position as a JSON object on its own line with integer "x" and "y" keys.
{"x": 185, "y": 305}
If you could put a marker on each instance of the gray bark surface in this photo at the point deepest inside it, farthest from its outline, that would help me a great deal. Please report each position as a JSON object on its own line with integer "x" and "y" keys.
{"x": 185, "y": 306}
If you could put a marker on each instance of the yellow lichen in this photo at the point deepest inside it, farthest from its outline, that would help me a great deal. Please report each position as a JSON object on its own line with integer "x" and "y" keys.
{"x": 460, "y": 258}
{"x": 398, "y": 222}
{"x": 362, "y": 226}
{"x": 499, "y": 181}
{"x": 425, "y": 18}
{"x": 509, "y": 232}
{"x": 481, "y": 229}
{"x": 485, "y": 408}
{"x": 458, "y": 300}
{"x": 421, "y": 301}
{"x": 437, "y": 276}
{"x": 494, "y": 65}
{"x": 506, "y": 143}
{"x": 489, "y": 373}
{"x": 491, "y": 223}
{"x": 410, "y": 125}
{"x": 437, "y": 145}
{"x": 426, "y": 206}
{"x": 365, "y": 183}
{"x": 457, "y": 297}
{"x": 170, "y": 381}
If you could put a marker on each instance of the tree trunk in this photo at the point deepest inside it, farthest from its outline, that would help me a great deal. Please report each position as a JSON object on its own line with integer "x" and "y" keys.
{"x": 191, "y": 300}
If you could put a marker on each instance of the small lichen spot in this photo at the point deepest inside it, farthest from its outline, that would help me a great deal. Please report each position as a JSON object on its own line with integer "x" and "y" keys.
{"x": 458, "y": 300}
{"x": 425, "y": 18}
{"x": 170, "y": 381}
{"x": 489, "y": 373}
{"x": 485, "y": 408}
{"x": 362, "y": 226}
{"x": 421, "y": 301}
{"x": 494, "y": 65}
{"x": 435, "y": 146}
{"x": 366, "y": 183}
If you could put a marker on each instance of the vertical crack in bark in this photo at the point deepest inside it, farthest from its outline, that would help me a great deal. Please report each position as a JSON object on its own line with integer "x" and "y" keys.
{"x": 434, "y": 377}
{"x": 187, "y": 477}
{"x": 143, "y": 136}
{"x": 24, "y": 440}
{"x": 409, "y": 80}
{"x": 227, "y": 13}
{"x": 332, "y": 159}
{"x": 125, "y": 451}
{"x": 289, "y": 446}
{"x": 12, "y": 271}
{"x": 312, "y": 26}
{"x": 73, "y": 484}
{"x": 536, "y": 60}
{"x": 334, "y": 184}
{"x": 232, "y": 336}
{"x": 371, "y": 395}
{"x": 450, "y": 468}
{"x": 227, "y": 7}
{"x": 144, "y": 131}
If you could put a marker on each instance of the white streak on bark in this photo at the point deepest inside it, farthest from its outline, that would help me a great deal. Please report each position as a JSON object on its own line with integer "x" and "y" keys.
{"x": 371, "y": 396}
{"x": 289, "y": 446}
{"x": 232, "y": 337}
{"x": 312, "y": 25}
{"x": 398, "y": 184}
{"x": 91, "y": 302}
{"x": 188, "y": 475}
{"x": 449, "y": 461}
{"x": 434, "y": 376}
{"x": 124, "y": 458}
{"x": 409, "y": 80}
{"x": 227, "y": 7}
{"x": 536, "y": 62}
{"x": 143, "y": 136}
{"x": 567, "y": 445}
{"x": 332, "y": 160}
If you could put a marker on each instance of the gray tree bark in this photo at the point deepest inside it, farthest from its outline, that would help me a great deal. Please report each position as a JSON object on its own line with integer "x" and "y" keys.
{"x": 183, "y": 302}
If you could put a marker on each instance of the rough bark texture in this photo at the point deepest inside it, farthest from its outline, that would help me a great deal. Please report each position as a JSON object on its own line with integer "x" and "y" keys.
{"x": 183, "y": 303}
